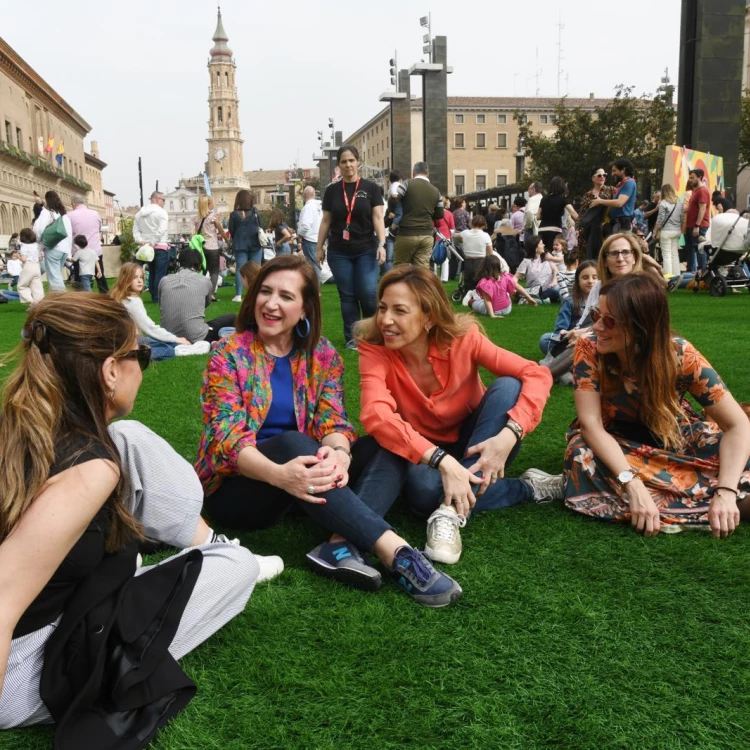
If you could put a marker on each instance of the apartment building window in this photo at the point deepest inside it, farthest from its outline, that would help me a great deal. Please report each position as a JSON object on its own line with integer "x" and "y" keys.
{"x": 8, "y": 139}
{"x": 543, "y": 119}
{"x": 502, "y": 119}
{"x": 19, "y": 138}
{"x": 480, "y": 182}
{"x": 458, "y": 140}
{"x": 502, "y": 140}
{"x": 458, "y": 119}
{"x": 460, "y": 183}
{"x": 481, "y": 141}
{"x": 552, "y": 119}
{"x": 480, "y": 119}
{"x": 501, "y": 180}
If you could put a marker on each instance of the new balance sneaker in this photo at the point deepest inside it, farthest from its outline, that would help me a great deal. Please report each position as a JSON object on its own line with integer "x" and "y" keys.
{"x": 185, "y": 350}
{"x": 270, "y": 567}
{"x": 343, "y": 562}
{"x": 443, "y": 536}
{"x": 545, "y": 486}
{"x": 416, "y": 575}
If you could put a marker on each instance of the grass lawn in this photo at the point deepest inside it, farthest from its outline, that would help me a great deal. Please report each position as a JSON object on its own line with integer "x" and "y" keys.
{"x": 570, "y": 633}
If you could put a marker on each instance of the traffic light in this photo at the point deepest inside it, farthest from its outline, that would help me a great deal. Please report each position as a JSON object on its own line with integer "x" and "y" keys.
{"x": 392, "y": 63}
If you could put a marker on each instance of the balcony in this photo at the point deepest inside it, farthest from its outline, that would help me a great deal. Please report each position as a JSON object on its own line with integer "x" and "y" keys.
{"x": 42, "y": 165}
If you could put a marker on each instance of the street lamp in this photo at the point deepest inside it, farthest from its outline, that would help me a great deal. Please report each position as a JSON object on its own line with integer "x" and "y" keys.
{"x": 426, "y": 23}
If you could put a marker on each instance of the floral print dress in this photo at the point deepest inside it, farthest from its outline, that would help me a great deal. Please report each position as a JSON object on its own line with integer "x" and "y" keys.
{"x": 680, "y": 483}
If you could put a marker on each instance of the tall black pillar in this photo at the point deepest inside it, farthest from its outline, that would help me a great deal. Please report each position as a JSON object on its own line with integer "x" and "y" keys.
{"x": 400, "y": 102}
{"x": 435, "y": 113}
{"x": 710, "y": 81}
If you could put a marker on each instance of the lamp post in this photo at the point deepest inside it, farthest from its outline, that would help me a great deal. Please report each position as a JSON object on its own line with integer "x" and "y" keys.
{"x": 426, "y": 23}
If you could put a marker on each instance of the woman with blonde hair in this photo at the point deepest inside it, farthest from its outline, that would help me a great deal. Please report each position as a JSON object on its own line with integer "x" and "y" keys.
{"x": 86, "y": 634}
{"x": 638, "y": 450}
{"x": 163, "y": 344}
{"x": 423, "y": 399}
{"x": 209, "y": 227}
{"x": 668, "y": 229}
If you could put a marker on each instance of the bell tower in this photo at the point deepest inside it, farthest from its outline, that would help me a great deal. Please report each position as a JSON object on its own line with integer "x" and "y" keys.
{"x": 224, "y": 136}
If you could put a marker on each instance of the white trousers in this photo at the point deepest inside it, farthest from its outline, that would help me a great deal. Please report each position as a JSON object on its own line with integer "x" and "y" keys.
{"x": 670, "y": 252}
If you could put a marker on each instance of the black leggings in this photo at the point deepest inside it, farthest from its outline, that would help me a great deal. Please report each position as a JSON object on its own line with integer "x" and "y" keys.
{"x": 215, "y": 325}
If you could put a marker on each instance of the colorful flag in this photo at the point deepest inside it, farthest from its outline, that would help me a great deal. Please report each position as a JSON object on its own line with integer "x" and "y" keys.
{"x": 60, "y": 152}
{"x": 50, "y": 145}
{"x": 206, "y": 184}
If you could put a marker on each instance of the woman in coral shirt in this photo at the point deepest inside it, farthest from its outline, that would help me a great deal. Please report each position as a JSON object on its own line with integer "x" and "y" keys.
{"x": 423, "y": 399}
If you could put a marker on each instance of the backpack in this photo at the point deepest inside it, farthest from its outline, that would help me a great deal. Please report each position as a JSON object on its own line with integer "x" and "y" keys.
{"x": 439, "y": 253}
{"x": 511, "y": 253}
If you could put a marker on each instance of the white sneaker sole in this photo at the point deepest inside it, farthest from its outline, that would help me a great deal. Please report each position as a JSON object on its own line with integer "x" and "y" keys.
{"x": 442, "y": 556}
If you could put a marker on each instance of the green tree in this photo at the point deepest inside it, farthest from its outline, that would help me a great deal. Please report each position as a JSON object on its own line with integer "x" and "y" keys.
{"x": 745, "y": 131}
{"x": 638, "y": 128}
{"x": 128, "y": 246}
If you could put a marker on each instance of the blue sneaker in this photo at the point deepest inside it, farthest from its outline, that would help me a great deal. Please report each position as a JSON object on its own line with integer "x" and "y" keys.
{"x": 424, "y": 583}
{"x": 343, "y": 562}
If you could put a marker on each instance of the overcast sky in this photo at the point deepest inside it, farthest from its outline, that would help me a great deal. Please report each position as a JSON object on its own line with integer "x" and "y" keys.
{"x": 136, "y": 70}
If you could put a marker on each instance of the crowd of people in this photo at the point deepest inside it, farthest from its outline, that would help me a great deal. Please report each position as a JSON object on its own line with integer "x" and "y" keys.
{"x": 276, "y": 433}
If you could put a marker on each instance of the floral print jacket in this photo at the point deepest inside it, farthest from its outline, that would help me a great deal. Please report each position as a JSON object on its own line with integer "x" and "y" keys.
{"x": 236, "y": 396}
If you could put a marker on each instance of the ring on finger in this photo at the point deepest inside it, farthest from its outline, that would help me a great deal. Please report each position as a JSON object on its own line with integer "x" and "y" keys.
{"x": 310, "y": 490}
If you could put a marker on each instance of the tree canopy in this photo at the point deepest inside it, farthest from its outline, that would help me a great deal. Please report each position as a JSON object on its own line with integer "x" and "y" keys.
{"x": 638, "y": 128}
{"x": 744, "y": 161}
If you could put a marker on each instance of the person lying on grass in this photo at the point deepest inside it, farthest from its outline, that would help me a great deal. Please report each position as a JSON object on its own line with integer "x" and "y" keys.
{"x": 424, "y": 401}
{"x": 638, "y": 450}
{"x": 75, "y": 500}
{"x": 275, "y": 433}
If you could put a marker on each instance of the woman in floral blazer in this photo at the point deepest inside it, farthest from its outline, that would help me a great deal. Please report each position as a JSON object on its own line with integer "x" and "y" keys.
{"x": 639, "y": 451}
{"x": 275, "y": 433}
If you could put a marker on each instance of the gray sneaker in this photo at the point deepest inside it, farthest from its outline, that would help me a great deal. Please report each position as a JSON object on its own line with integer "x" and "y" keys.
{"x": 545, "y": 486}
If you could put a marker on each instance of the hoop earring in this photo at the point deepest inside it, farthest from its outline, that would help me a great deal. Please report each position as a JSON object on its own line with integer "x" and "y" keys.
{"x": 307, "y": 329}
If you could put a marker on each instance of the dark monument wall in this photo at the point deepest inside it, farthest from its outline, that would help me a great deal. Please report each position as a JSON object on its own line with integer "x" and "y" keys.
{"x": 435, "y": 116}
{"x": 401, "y": 126}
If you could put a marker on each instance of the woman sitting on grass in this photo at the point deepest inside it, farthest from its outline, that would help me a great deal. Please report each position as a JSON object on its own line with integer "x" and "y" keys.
{"x": 275, "y": 433}
{"x": 539, "y": 275}
{"x": 86, "y": 636}
{"x": 494, "y": 287}
{"x": 639, "y": 451}
{"x": 163, "y": 344}
{"x": 423, "y": 399}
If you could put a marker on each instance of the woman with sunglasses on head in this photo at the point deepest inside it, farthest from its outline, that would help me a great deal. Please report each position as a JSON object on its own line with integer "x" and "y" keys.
{"x": 638, "y": 450}
{"x": 85, "y": 633}
{"x": 589, "y": 225}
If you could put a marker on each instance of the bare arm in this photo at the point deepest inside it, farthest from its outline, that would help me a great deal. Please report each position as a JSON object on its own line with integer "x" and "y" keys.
{"x": 220, "y": 230}
{"x": 569, "y": 208}
{"x": 378, "y": 223}
{"x": 618, "y": 202}
{"x": 325, "y": 225}
{"x": 522, "y": 291}
{"x": 487, "y": 303}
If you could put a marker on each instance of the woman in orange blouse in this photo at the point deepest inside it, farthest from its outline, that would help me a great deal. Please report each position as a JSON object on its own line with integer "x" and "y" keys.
{"x": 423, "y": 399}
{"x": 275, "y": 432}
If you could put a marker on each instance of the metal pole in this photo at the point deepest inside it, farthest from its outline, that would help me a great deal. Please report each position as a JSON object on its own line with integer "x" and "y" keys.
{"x": 140, "y": 179}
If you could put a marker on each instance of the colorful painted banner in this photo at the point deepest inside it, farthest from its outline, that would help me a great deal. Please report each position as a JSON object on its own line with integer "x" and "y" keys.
{"x": 678, "y": 161}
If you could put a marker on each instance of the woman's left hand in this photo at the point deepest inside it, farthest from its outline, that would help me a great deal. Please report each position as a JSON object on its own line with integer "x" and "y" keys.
{"x": 381, "y": 255}
{"x": 493, "y": 453}
{"x": 338, "y": 461}
{"x": 723, "y": 514}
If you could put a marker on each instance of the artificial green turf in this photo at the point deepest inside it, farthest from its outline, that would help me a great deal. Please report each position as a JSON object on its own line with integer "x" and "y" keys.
{"x": 570, "y": 633}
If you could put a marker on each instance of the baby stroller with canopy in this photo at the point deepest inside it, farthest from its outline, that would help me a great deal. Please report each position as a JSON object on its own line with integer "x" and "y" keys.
{"x": 726, "y": 256}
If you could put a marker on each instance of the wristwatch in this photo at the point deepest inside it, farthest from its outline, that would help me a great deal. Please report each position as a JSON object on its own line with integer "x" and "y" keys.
{"x": 626, "y": 476}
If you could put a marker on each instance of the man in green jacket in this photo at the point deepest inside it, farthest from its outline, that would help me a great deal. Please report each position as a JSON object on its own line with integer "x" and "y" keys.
{"x": 422, "y": 205}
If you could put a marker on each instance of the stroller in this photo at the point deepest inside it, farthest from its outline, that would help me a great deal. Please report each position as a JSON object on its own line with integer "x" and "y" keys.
{"x": 457, "y": 255}
{"x": 726, "y": 256}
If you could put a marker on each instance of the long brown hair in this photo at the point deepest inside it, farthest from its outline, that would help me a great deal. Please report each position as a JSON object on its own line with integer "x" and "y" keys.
{"x": 310, "y": 298}
{"x": 578, "y": 301}
{"x": 602, "y": 271}
{"x": 122, "y": 288}
{"x": 57, "y": 390}
{"x": 640, "y": 305}
{"x": 427, "y": 288}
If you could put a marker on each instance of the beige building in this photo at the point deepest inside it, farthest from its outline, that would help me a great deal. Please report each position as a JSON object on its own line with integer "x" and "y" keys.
{"x": 31, "y": 114}
{"x": 92, "y": 171}
{"x": 482, "y": 137}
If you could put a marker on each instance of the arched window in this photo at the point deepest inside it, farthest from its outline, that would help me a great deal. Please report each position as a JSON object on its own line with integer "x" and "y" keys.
{"x": 226, "y": 78}
{"x": 229, "y": 114}
{"x": 218, "y": 79}
{"x": 183, "y": 205}
{"x": 171, "y": 205}
{"x": 220, "y": 114}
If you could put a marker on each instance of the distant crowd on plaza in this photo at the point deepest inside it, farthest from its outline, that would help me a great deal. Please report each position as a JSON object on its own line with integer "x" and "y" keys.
{"x": 90, "y": 635}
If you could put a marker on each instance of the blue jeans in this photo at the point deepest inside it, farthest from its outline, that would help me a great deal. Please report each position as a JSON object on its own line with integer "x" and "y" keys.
{"x": 390, "y": 243}
{"x": 695, "y": 259}
{"x": 356, "y": 512}
{"x": 86, "y": 282}
{"x": 9, "y": 295}
{"x": 551, "y": 292}
{"x": 398, "y": 213}
{"x": 159, "y": 349}
{"x": 157, "y": 271}
{"x": 310, "y": 251}
{"x": 240, "y": 258}
{"x": 545, "y": 342}
{"x": 284, "y": 249}
{"x": 423, "y": 489}
{"x": 54, "y": 262}
{"x": 14, "y": 282}
{"x": 356, "y": 276}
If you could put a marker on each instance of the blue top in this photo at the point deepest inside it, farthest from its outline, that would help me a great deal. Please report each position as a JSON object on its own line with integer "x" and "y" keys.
{"x": 566, "y": 320}
{"x": 629, "y": 187}
{"x": 281, "y": 416}
{"x": 243, "y": 226}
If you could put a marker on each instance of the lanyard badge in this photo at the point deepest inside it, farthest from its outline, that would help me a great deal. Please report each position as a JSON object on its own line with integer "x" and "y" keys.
{"x": 349, "y": 208}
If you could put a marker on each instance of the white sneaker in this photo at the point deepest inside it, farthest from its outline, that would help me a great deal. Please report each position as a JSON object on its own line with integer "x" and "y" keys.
{"x": 566, "y": 378}
{"x": 270, "y": 567}
{"x": 443, "y": 538}
{"x": 237, "y": 298}
{"x": 545, "y": 486}
{"x": 185, "y": 350}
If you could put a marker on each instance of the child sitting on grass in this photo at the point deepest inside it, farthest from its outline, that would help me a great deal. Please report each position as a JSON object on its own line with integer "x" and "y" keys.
{"x": 14, "y": 269}
{"x": 557, "y": 256}
{"x": 539, "y": 274}
{"x": 566, "y": 278}
{"x": 494, "y": 287}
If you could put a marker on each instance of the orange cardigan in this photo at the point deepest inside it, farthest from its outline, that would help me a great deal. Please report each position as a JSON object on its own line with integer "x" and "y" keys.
{"x": 406, "y": 422}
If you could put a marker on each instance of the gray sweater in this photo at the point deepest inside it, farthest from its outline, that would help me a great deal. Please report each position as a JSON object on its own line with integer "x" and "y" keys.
{"x": 674, "y": 224}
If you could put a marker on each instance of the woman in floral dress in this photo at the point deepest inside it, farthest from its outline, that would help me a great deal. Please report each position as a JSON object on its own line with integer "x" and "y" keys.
{"x": 590, "y": 237}
{"x": 639, "y": 451}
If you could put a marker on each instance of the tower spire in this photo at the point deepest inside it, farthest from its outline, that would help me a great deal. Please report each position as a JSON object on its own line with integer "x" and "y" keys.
{"x": 220, "y": 39}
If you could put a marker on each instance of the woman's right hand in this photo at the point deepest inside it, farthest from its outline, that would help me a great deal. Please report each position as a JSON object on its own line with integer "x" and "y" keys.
{"x": 645, "y": 514}
{"x": 321, "y": 256}
{"x": 295, "y": 477}
{"x": 457, "y": 481}
{"x": 181, "y": 340}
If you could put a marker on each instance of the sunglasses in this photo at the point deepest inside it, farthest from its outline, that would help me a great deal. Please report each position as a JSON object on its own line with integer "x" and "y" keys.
{"x": 608, "y": 320}
{"x": 600, "y": 175}
{"x": 617, "y": 253}
{"x": 142, "y": 354}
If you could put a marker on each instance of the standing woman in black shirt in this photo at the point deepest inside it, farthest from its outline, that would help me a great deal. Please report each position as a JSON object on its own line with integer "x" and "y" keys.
{"x": 551, "y": 212}
{"x": 354, "y": 227}
{"x": 75, "y": 498}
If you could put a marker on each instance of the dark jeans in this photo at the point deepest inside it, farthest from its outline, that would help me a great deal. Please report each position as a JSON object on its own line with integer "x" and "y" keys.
{"x": 356, "y": 511}
{"x": 622, "y": 224}
{"x": 101, "y": 282}
{"x": 157, "y": 271}
{"x": 356, "y": 276}
{"x": 695, "y": 259}
{"x": 424, "y": 487}
{"x": 215, "y": 325}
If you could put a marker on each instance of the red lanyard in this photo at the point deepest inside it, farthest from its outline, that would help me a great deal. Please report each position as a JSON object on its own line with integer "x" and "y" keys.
{"x": 346, "y": 202}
